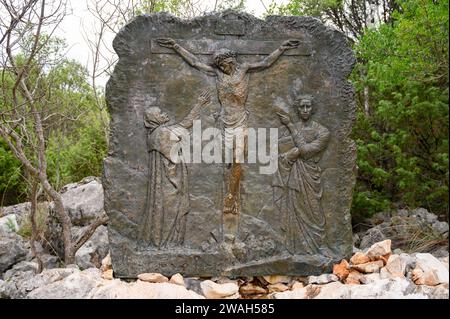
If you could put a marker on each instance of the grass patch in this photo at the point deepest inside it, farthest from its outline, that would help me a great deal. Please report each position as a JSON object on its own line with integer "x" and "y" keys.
{"x": 42, "y": 212}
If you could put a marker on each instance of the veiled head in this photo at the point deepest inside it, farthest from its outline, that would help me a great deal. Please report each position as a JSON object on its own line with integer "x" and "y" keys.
{"x": 154, "y": 117}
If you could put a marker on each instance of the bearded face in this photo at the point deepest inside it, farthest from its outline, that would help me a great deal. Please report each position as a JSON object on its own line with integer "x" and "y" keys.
{"x": 227, "y": 65}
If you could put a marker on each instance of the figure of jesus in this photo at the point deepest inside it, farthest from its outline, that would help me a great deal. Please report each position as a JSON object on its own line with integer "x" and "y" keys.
{"x": 232, "y": 90}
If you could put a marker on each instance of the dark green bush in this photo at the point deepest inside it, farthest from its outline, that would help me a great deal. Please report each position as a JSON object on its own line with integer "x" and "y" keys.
{"x": 403, "y": 142}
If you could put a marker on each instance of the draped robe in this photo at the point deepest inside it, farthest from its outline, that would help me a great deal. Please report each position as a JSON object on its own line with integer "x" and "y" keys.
{"x": 298, "y": 190}
{"x": 163, "y": 224}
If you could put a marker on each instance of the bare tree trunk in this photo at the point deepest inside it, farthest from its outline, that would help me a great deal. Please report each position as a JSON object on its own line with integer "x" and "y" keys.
{"x": 64, "y": 219}
{"x": 21, "y": 125}
{"x": 89, "y": 231}
{"x": 34, "y": 195}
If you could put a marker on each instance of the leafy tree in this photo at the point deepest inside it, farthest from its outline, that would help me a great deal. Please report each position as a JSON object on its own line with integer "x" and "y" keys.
{"x": 76, "y": 143}
{"x": 71, "y": 157}
{"x": 30, "y": 104}
{"x": 352, "y": 17}
{"x": 11, "y": 185}
{"x": 403, "y": 144}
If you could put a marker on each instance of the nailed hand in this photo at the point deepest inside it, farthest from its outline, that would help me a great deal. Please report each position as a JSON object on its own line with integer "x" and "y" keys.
{"x": 290, "y": 44}
{"x": 166, "y": 42}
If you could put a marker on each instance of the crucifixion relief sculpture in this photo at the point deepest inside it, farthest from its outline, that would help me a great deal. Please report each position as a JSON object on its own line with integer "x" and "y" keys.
{"x": 232, "y": 80}
{"x": 244, "y": 191}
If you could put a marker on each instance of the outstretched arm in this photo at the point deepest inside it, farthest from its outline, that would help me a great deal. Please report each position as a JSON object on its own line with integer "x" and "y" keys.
{"x": 298, "y": 138}
{"x": 186, "y": 55}
{"x": 269, "y": 60}
{"x": 203, "y": 100}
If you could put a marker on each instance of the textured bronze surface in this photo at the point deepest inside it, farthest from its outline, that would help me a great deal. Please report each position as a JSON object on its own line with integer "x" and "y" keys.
{"x": 229, "y": 70}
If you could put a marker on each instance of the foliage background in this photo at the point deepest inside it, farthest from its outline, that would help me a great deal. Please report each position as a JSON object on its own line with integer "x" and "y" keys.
{"x": 75, "y": 128}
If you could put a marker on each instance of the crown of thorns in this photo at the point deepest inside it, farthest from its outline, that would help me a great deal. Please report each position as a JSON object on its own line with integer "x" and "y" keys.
{"x": 223, "y": 54}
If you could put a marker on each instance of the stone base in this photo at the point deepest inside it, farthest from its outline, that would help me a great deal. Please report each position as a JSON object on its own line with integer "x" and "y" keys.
{"x": 219, "y": 263}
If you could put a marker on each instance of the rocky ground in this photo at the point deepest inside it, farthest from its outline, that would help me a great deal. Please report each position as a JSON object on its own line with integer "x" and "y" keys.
{"x": 396, "y": 255}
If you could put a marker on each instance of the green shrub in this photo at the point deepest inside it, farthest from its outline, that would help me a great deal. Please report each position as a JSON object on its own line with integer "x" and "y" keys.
{"x": 80, "y": 154}
{"x": 75, "y": 131}
{"x": 403, "y": 142}
{"x": 12, "y": 185}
